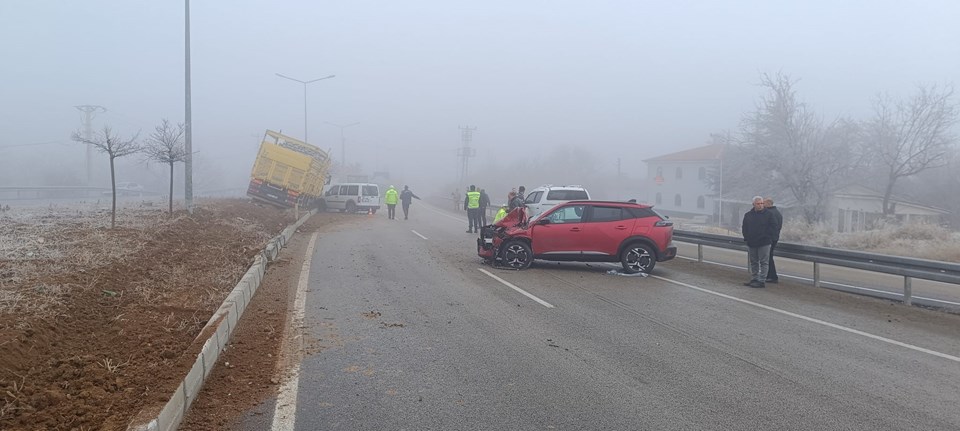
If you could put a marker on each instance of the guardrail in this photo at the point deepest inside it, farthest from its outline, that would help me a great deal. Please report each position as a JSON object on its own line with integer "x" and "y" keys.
{"x": 907, "y": 267}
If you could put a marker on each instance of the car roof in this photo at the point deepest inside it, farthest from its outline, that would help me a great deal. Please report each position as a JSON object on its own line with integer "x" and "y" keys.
{"x": 552, "y": 187}
{"x": 619, "y": 203}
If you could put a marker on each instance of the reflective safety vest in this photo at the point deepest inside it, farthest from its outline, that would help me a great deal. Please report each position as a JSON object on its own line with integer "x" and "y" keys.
{"x": 391, "y": 197}
{"x": 500, "y": 215}
{"x": 473, "y": 199}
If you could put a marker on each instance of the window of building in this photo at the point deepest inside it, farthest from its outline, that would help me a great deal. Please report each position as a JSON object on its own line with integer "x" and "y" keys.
{"x": 701, "y": 201}
{"x": 679, "y": 172}
{"x": 676, "y": 200}
{"x": 659, "y": 198}
{"x": 702, "y": 173}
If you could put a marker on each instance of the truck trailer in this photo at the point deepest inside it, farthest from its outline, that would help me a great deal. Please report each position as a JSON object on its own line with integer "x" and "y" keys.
{"x": 288, "y": 172}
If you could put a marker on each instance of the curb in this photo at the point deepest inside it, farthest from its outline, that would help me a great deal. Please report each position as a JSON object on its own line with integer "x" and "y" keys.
{"x": 220, "y": 327}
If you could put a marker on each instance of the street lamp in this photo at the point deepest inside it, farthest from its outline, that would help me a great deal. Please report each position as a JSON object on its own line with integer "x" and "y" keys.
{"x": 343, "y": 146}
{"x": 305, "y": 98}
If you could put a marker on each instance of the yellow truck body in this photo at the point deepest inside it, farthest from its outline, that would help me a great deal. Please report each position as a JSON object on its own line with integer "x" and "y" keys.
{"x": 288, "y": 171}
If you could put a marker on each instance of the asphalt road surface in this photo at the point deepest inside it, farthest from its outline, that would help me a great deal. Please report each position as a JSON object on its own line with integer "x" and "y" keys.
{"x": 411, "y": 332}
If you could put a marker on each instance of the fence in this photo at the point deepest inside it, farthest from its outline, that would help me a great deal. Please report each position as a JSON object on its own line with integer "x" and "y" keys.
{"x": 907, "y": 267}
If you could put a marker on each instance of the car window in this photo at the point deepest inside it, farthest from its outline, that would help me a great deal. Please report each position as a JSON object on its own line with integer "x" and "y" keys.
{"x": 602, "y": 214}
{"x": 533, "y": 198}
{"x": 567, "y": 195}
{"x": 371, "y": 191}
{"x": 641, "y": 212}
{"x": 567, "y": 214}
{"x": 350, "y": 190}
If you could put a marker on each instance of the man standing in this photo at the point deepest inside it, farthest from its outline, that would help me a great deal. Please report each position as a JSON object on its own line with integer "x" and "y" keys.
{"x": 757, "y": 229}
{"x": 484, "y": 203}
{"x": 390, "y": 198}
{"x": 518, "y": 199}
{"x": 406, "y": 198}
{"x": 772, "y": 276}
{"x": 472, "y": 205}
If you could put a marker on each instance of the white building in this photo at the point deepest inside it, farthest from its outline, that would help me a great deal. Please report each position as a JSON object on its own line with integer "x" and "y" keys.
{"x": 679, "y": 184}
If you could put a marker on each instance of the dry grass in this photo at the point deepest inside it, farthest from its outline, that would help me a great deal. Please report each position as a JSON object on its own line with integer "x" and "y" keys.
{"x": 920, "y": 240}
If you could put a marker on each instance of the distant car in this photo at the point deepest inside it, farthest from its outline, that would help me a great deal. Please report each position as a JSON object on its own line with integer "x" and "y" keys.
{"x": 351, "y": 197}
{"x": 545, "y": 197}
{"x": 126, "y": 188}
{"x": 585, "y": 231}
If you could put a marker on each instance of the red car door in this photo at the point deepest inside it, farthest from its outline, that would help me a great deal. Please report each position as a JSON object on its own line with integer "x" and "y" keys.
{"x": 609, "y": 225}
{"x": 564, "y": 233}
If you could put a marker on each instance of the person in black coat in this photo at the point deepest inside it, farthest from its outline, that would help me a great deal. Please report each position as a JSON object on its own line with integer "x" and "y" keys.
{"x": 406, "y": 198}
{"x": 772, "y": 276}
{"x": 758, "y": 227}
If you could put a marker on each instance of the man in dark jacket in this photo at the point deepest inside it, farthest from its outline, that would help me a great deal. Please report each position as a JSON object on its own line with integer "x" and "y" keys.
{"x": 758, "y": 227}
{"x": 517, "y": 199}
{"x": 406, "y": 198}
{"x": 484, "y": 203}
{"x": 772, "y": 276}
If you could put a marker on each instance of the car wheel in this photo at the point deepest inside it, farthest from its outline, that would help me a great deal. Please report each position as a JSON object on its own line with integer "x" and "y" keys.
{"x": 637, "y": 257}
{"x": 516, "y": 254}
{"x": 351, "y": 207}
{"x": 373, "y": 210}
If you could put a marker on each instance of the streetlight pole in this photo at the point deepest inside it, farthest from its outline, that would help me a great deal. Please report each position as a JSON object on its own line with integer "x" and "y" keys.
{"x": 305, "y": 98}
{"x": 343, "y": 145}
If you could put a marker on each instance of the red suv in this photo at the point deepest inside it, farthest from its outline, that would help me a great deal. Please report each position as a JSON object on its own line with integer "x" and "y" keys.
{"x": 584, "y": 231}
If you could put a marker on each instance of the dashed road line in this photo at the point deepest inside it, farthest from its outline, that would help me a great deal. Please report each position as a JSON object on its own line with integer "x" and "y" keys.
{"x": 417, "y": 234}
{"x": 523, "y": 292}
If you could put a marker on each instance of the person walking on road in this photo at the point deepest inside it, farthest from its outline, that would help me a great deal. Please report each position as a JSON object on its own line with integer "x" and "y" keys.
{"x": 484, "y": 203}
{"x": 406, "y": 198}
{"x": 390, "y": 198}
{"x": 772, "y": 276}
{"x": 757, "y": 229}
{"x": 472, "y": 204}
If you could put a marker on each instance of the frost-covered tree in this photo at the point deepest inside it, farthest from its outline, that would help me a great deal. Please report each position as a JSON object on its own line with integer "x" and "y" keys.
{"x": 113, "y": 146}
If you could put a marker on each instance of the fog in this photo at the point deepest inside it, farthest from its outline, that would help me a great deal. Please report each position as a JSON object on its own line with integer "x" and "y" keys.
{"x": 603, "y": 82}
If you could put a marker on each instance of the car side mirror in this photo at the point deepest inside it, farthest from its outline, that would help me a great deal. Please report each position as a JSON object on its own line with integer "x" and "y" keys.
{"x": 543, "y": 221}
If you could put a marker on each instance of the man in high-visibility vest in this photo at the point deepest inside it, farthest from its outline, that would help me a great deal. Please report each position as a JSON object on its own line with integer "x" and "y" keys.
{"x": 472, "y": 204}
{"x": 500, "y": 214}
{"x": 391, "y": 199}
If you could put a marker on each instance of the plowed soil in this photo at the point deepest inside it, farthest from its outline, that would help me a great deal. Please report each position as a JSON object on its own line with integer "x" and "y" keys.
{"x": 96, "y": 323}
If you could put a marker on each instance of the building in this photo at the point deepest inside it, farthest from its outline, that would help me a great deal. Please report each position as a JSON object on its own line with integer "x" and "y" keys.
{"x": 681, "y": 184}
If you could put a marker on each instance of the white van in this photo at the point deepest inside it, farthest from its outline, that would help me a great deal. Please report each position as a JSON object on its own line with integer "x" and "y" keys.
{"x": 545, "y": 197}
{"x": 351, "y": 197}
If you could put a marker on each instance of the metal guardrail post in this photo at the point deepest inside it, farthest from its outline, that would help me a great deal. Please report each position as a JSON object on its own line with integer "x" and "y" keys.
{"x": 700, "y": 253}
{"x": 816, "y": 274}
{"x": 908, "y": 290}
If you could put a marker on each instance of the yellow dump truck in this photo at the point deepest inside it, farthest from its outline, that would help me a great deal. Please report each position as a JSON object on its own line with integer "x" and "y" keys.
{"x": 288, "y": 172}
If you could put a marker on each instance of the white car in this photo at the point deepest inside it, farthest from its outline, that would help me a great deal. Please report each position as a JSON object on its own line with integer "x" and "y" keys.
{"x": 127, "y": 188}
{"x": 351, "y": 197}
{"x": 545, "y": 197}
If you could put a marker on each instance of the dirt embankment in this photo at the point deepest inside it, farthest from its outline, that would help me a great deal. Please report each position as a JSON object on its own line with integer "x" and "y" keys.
{"x": 96, "y": 322}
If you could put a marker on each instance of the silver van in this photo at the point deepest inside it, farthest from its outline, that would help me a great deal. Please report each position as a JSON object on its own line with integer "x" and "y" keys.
{"x": 351, "y": 197}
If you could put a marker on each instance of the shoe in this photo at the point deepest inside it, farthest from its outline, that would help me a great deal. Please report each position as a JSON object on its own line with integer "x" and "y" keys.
{"x": 749, "y": 283}
{"x": 773, "y": 280}
{"x": 469, "y": 231}
{"x": 756, "y": 284}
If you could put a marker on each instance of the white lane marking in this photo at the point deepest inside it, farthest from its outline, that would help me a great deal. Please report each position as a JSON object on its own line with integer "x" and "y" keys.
{"x": 524, "y": 292}
{"x": 285, "y": 412}
{"x": 848, "y": 286}
{"x": 811, "y": 319}
{"x": 417, "y": 234}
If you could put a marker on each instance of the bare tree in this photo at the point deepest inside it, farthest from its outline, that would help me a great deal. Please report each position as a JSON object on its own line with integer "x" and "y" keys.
{"x": 905, "y": 138}
{"x": 165, "y": 145}
{"x": 796, "y": 149}
{"x": 113, "y": 146}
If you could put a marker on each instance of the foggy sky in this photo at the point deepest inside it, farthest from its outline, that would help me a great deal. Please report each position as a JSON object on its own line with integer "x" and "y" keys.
{"x": 629, "y": 79}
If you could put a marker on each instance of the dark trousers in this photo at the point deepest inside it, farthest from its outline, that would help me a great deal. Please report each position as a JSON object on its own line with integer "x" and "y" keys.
{"x": 473, "y": 219}
{"x": 406, "y": 211}
{"x": 391, "y": 210}
{"x": 771, "y": 267}
{"x": 482, "y": 215}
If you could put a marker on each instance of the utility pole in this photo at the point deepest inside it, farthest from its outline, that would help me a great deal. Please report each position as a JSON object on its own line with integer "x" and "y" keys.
{"x": 343, "y": 142}
{"x": 89, "y": 111}
{"x": 465, "y": 152}
{"x": 188, "y": 127}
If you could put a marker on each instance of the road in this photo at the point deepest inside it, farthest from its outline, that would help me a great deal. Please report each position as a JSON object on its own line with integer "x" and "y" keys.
{"x": 410, "y": 332}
